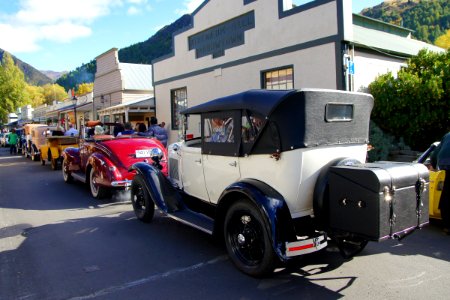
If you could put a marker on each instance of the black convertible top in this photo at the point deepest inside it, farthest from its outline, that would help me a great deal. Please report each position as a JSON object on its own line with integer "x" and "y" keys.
{"x": 294, "y": 119}
{"x": 259, "y": 101}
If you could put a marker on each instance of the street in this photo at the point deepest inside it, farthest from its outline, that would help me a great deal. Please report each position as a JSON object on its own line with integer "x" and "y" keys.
{"x": 56, "y": 242}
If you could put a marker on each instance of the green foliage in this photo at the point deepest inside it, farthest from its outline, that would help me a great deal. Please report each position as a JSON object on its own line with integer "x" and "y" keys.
{"x": 12, "y": 87}
{"x": 83, "y": 74}
{"x": 428, "y": 18}
{"x": 32, "y": 76}
{"x": 416, "y": 104}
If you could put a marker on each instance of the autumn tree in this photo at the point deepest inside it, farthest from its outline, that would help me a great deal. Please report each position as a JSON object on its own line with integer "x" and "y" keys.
{"x": 444, "y": 40}
{"x": 85, "y": 88}
{"x": 12, "y": 87}
{"x": 54, "y": 92}
{"x": 34, "y": 95}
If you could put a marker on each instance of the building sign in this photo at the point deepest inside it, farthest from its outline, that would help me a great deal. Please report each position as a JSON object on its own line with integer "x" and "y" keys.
{"x": 215, "y": 40}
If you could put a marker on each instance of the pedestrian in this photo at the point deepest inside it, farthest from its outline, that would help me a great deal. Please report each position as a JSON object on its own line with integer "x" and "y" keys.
{"x": 71, "y": 131}
{"x": 142, "y": 129}
{"x": 157, "y": 131}
{"x": 12, "y": 140}
{"x": 128, "y": 129}
{"x": 440, "y": 160}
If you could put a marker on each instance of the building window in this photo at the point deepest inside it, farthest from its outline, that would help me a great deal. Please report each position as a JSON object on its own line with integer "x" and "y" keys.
{"x": 178, "y": 99}
{"x": 290, "y": 4}
{"x": 278, "y": 79}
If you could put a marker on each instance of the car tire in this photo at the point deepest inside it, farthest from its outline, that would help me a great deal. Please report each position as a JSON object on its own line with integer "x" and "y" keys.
{"x": 34, "y": 155}
{"x": 65, "y": 171}
{"x": 97, "y": 191}
{"x": 143, "y": 205}
{"x": 42, "y": 161}
{"x": 248, "y": 241}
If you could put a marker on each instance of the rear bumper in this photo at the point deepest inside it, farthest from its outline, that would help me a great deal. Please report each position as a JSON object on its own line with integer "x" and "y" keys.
{"x": 121, "y": 183}
{"x": 306, "y": 246}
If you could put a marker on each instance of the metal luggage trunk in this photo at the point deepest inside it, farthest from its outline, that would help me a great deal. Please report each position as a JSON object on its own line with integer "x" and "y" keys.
{"x": 378, "y": 200}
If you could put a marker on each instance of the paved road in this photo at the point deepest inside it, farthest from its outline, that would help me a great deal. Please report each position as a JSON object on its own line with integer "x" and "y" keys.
{"x": 56, "y": 242}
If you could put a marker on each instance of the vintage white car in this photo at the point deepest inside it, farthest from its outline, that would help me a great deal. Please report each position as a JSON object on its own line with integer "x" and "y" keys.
{"x": 278, "y": 174}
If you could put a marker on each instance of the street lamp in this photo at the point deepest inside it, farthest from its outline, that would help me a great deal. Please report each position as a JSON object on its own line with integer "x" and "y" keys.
{"x": 74, "y": 101}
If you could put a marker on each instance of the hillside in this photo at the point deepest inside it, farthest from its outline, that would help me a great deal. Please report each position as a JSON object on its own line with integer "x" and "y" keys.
{"x": 428, "y": 18}
{"x": 140, "y": 53}
{"x": 32, "y": 76}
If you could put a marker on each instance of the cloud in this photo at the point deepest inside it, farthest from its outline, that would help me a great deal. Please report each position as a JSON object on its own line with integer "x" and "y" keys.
{"x": 52, "y": 20}
{"x": 189, "y": 6}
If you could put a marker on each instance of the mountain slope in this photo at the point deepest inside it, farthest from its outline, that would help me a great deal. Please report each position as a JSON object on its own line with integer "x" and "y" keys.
{"x": 32, "y": 76}
{"x": 428, "y": 18}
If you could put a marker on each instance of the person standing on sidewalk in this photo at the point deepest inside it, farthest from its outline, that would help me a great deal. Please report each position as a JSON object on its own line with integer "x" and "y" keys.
{"x": 12, "y": 140}
{"x": 157, "y": 131}
{"x": 440, "y": 160}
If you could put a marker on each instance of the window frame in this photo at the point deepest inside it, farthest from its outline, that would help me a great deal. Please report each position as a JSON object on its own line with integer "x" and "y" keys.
{"x": 174, "y": 117}
{"x": 278, "y": 69}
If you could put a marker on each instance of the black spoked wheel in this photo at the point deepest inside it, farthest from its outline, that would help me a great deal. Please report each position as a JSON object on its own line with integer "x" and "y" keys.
{"x": 143, "y": 205}
{"x": 65, "y": 171}
{"x": 247, "y": 240}
{"x": 42, "y": 161}
{"x": 97, "y": 191}
{"x": 349, "y": 246}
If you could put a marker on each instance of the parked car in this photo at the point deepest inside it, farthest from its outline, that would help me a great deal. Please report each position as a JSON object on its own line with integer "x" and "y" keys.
{"x": 38, "y": 140}
{"x": 31, "y": 138}
{"x": 104, "y": 161}
{"x": 277, "y": 174}
{"x": 4, "y": 139}
{"x": 55, "y": 145}
{"x": 437, "y": 178}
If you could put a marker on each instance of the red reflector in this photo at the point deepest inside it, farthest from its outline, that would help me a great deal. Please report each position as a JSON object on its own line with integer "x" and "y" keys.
{"x": 301, "y": 247}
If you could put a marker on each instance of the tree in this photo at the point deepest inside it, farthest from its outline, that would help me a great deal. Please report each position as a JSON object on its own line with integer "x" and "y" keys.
{"x": 34, "y": 95}
{"x": 85, "y": 88}
{"x": 54, "y": 92}
{"x": 444, "y": 40}
{"x": 12, "y": 87}
{"x": 416, "y": 104}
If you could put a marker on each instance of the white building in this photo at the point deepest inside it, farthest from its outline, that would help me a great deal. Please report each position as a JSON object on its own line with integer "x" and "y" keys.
{"x": 237, "y": 45}
{"x": 123, "y": 92}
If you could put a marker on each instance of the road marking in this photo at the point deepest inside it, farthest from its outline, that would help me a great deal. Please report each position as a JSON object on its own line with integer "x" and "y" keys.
{"x": 151, "y": 278}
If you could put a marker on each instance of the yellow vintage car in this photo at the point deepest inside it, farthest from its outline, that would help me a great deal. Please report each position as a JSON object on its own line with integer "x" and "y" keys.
{"x": 52, "y": 150}
{"x": 436, "y": 182}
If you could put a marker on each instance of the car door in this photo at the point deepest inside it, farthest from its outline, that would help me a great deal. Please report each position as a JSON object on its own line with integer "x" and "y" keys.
{"x": 192, "y": 176}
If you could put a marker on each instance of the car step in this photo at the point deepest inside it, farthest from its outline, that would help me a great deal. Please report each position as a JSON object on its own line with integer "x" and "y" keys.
{"x": 193, "y": 219}
{"x": 79, "y": 176}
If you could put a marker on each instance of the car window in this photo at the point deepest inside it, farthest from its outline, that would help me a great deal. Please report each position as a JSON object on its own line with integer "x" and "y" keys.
{"x": 219, "y": 130}
{"x": 251, "y": 126}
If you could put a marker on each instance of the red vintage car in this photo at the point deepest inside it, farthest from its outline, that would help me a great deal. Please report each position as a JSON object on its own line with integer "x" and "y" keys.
{"x": 104, "y": 161}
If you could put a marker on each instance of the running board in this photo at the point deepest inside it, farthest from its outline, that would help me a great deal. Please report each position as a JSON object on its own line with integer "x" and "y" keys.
{"x": 79, "y": 176}
{"x": 193, "y": 219}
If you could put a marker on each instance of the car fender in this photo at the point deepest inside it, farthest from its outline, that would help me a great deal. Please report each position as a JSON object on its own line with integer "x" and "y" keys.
{"x": 272, "y": 206}
{"x": 161, "y": 190}
{"x": 104, "y": 165}
{"x": 72, "y": 155}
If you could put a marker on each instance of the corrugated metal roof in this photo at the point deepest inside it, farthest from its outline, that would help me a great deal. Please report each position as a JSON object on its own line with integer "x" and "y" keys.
{"x": 383, "y": 41}
{"x": 136, "y": 77}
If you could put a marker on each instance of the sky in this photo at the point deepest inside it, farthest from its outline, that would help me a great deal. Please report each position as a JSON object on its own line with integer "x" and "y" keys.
{"x": 61, "y": 35}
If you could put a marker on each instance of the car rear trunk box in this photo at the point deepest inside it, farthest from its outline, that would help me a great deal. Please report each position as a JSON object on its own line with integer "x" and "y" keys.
{"x": 378, "y": 200}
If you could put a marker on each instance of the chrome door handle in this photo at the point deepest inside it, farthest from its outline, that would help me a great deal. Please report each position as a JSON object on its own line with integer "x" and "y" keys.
{"x": 233, "y": 164}
{"x": 198, "y": 161}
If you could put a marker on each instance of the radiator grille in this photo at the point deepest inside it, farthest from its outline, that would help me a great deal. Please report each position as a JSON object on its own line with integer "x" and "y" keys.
{"x": 173, "y": 168}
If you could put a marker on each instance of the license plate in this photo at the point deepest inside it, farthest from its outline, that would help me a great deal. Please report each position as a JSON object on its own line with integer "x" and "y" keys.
{"x": 142, "y": 153}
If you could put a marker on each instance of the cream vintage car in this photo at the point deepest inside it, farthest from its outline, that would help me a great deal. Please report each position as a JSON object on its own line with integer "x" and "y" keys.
{"x": 278, "y": 174}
